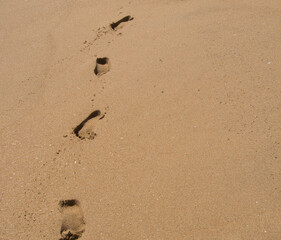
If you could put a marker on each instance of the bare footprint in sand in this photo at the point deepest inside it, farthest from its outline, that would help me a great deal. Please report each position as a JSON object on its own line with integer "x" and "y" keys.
{"x": 73, "y": 223}
{"x": 87, "y": 128}
{"x": 119, "y": 24}
{"x": 103, "y": 66}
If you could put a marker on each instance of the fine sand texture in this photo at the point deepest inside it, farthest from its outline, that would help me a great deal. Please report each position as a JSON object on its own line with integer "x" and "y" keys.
{"x": 131, "y": 120}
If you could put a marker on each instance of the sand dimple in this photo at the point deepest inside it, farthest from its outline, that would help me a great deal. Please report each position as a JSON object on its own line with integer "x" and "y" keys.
{"x": 73, "y": 223}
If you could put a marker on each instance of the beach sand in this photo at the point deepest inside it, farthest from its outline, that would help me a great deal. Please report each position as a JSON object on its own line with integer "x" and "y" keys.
{"x": 178, "y": 138}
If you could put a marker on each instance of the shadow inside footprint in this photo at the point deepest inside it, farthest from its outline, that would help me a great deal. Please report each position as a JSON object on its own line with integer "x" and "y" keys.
{"x": 114, "y": 25}
{"x": 81, "y": 125}
{"x": 73, "y": 223}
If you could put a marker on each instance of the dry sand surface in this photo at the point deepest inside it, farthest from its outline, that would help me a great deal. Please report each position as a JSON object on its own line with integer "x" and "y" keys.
{"x": 180, "y": 139}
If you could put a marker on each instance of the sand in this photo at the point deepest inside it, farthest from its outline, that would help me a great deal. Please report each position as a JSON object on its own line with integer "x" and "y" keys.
{"x": 187, "y": 142}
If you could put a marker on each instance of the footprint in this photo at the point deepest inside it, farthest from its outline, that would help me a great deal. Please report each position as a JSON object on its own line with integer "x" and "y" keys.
{"x": 73, "y": 223}
{"x": 116, "y": 25}
{"x": 86, "y": 129}
{"x": 102, "y": 31}
{"x": 102, "y": 66}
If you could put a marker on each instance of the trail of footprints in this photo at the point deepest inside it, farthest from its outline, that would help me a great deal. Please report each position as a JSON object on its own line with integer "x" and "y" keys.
{"x": 73, "y": 222}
